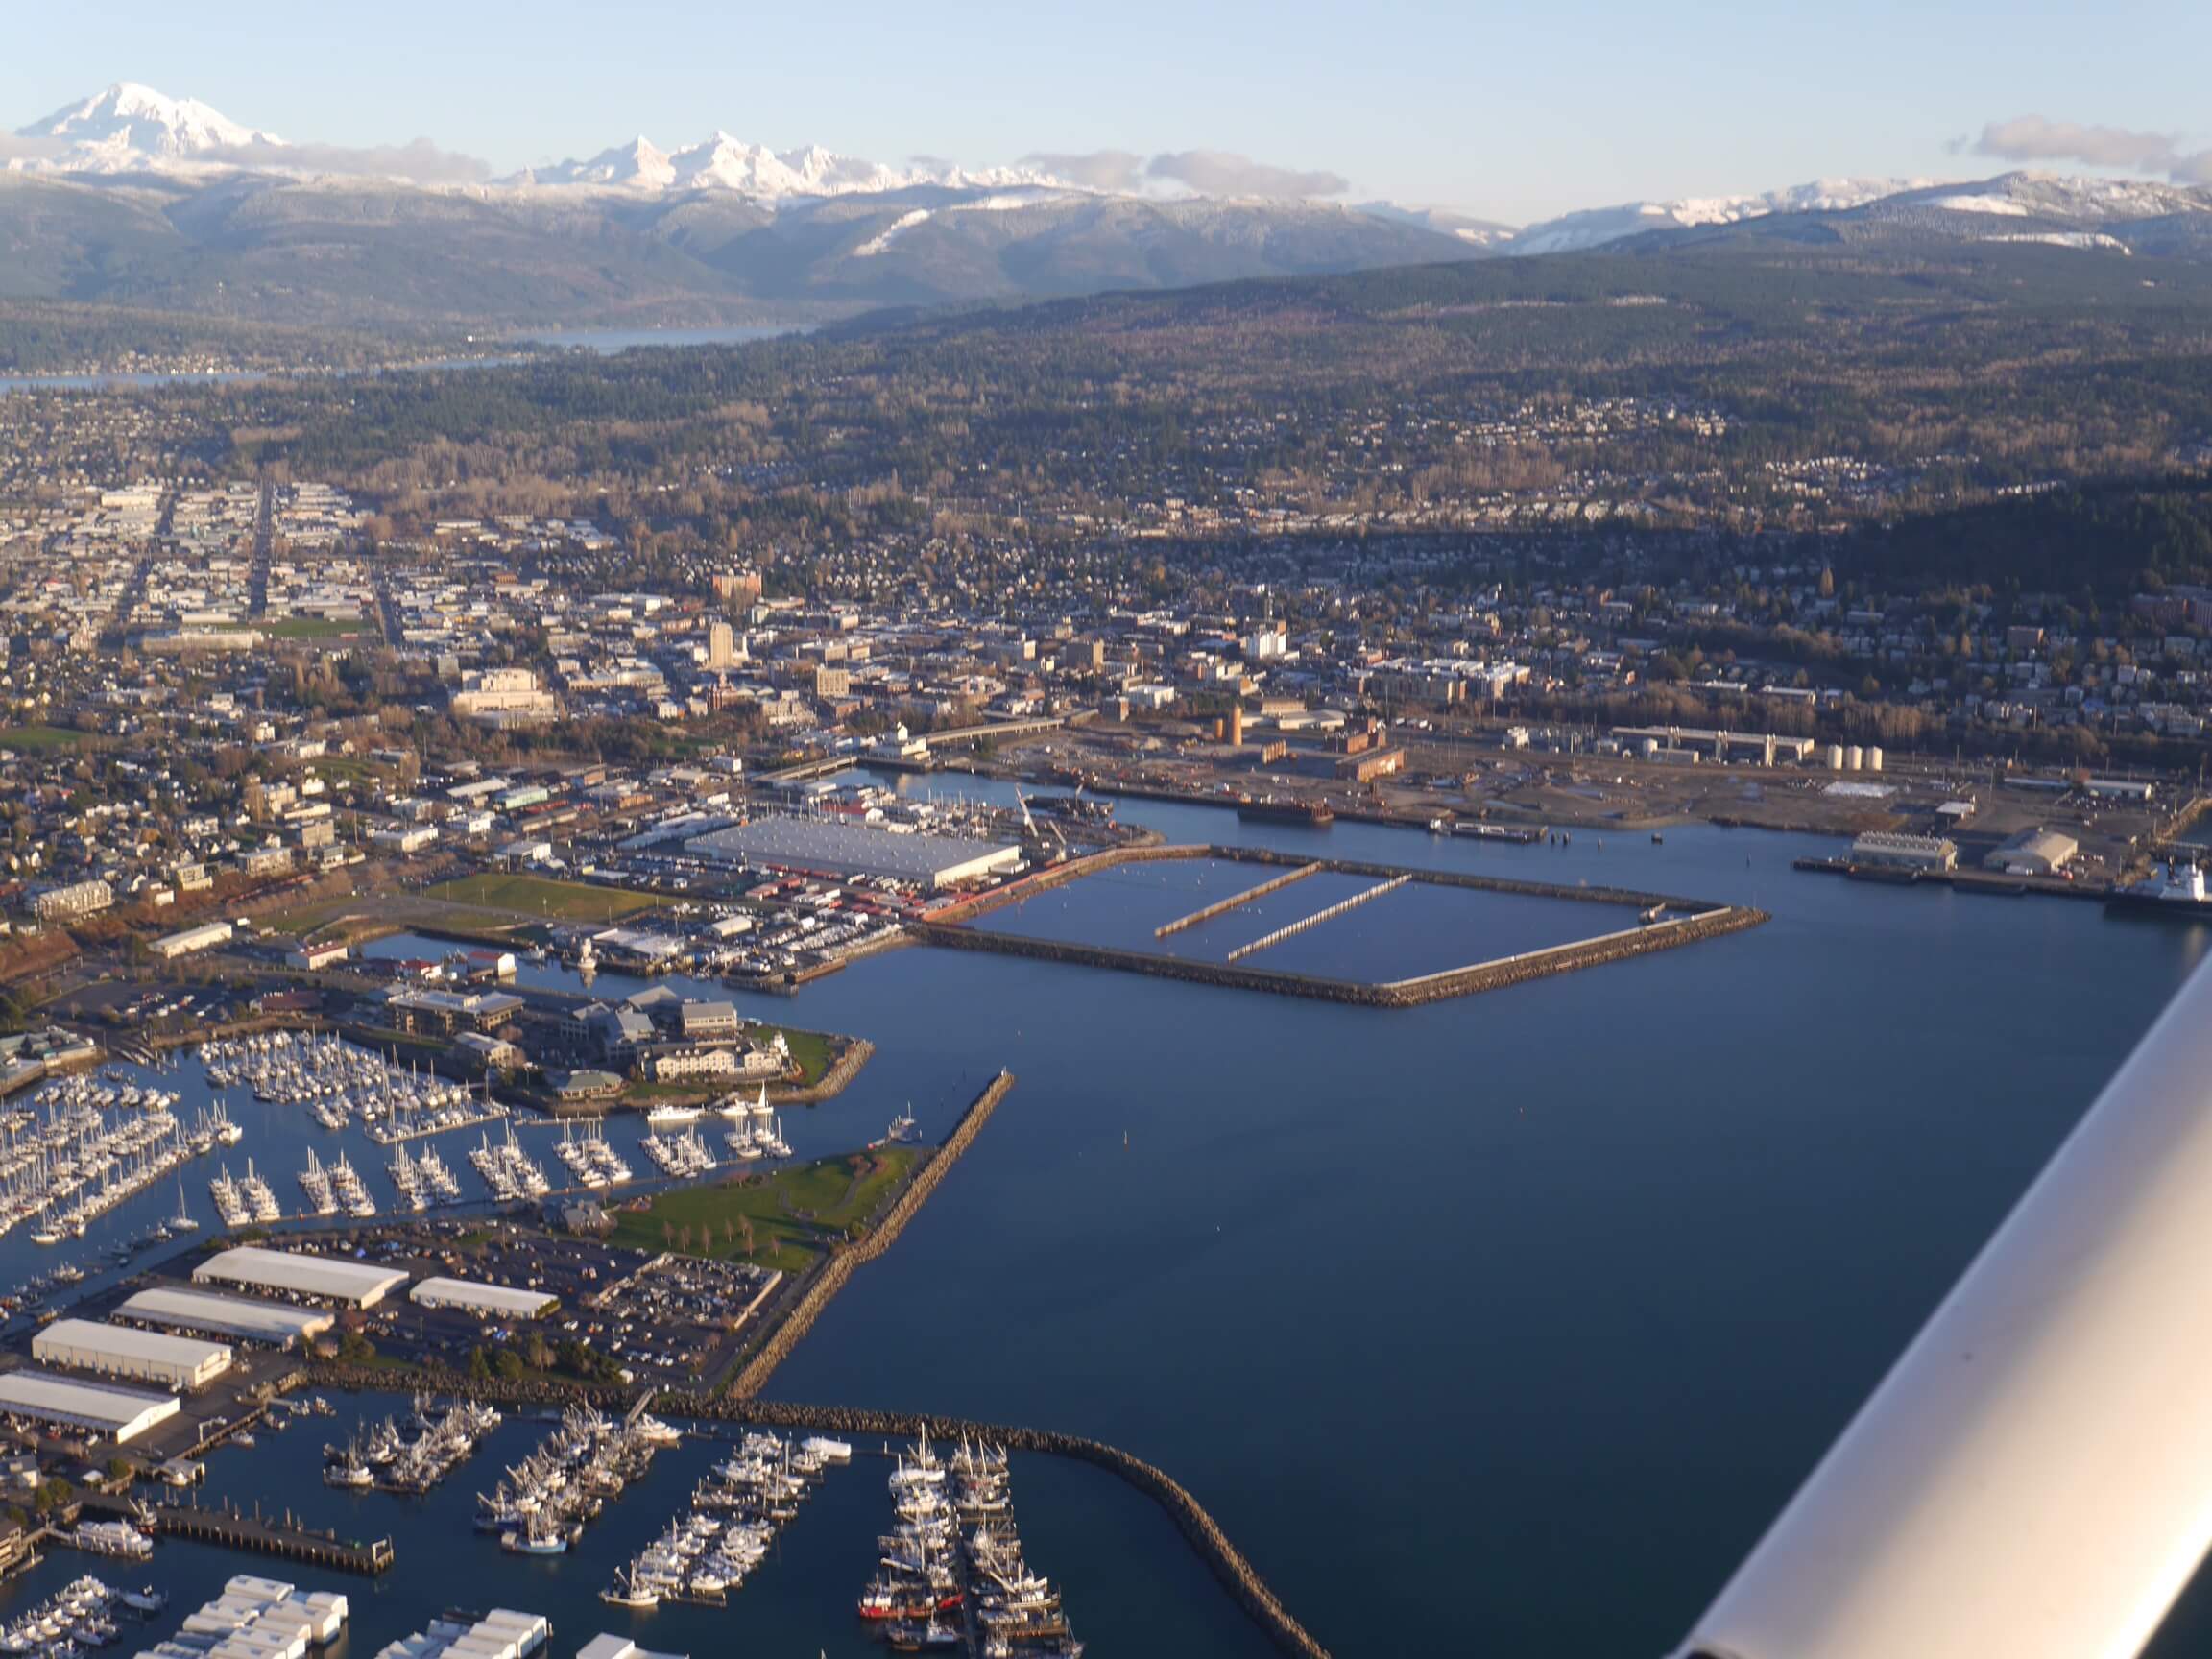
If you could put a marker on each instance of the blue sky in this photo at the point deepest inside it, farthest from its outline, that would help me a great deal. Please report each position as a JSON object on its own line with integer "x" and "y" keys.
{"x": 1515, "y": 112}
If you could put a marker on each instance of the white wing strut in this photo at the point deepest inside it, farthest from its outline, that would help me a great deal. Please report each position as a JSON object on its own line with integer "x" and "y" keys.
{"x": 2033, "y": 1478}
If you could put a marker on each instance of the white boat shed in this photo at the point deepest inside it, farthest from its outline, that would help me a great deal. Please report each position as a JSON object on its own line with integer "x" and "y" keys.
{"x": 326, "y": 1278}
{"x": 502, "y": 1300}
{"x": 64, "y": 1402}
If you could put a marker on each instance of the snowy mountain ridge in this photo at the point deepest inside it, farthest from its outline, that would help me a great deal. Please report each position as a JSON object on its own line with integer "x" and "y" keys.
{"x": 721, "y": 162}
{"x": 131, "y": 128}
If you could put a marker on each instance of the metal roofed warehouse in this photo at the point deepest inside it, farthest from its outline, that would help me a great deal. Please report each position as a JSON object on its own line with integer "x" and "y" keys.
{"x": 176, "y": 1308}
{"x": 353, "y": 1283}
{"x": 100, "y": 1406}
{"x": 466, "y": 1294}
{"x": 826, "y": 849}
{"x": 125, "y": 1351}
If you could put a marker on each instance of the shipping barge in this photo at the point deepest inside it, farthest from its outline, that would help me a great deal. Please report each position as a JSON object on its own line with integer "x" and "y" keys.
{"x": 1314, "y": 814}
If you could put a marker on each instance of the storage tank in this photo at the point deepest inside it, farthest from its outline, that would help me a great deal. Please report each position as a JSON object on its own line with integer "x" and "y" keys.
{"x": 1835, "y": 757}
{"x": 1873, "y": 759}
{"x": 1854, "y": 757}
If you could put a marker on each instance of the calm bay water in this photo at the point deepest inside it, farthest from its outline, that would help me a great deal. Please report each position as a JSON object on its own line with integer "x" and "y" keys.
{"x": 607, "y": 341}
{"x": 1502, "y": 1325}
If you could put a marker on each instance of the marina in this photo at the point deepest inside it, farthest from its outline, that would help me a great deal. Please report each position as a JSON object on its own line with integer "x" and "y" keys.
{"x": 915, "y": 1005}
{"x": 410, "y": 1453}
{"x": 540, "y": 1505}
{"x": 340, "y": 1082}
{"x": 82, "y": 1614}
{"x": 510, "y": 1174}
{"x": 1010, "y": 1611}
{"x": 590, "y": 1159}
{"x": 80, "y": 1146}
{"x": 706, "y": 1554}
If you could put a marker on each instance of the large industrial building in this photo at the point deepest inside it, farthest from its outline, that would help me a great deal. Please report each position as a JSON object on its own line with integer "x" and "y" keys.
{"x": 503, "y": 1301}
{"x": 136, "y": 1356}
{"x": 242, "y": 1318}
{"x": 325, "y": 1278}
{"x": 1880, "y": 850}
{"x": 814, "y": 847}
{"x": 66, "y": 1402}
{"x": 2035, "y": 851}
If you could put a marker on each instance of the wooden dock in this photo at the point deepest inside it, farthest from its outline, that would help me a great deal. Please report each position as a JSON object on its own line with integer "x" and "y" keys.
{"x": 264, "y": 1535}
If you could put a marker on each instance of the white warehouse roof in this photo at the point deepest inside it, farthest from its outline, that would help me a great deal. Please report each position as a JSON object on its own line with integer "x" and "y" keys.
{"x": 304, "y": 1275}
{"x": 830, "y": 849}
{"x": 101, "y": 1406}
{"x": 482, "y": 1298}
{"x": 241, "y": 1316}
{"x": 88, "y": 1345}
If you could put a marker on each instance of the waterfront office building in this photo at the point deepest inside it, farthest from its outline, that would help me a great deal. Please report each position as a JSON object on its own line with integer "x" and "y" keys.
{"x": 129, "y": 1353}
{"x": 243, "y": 1320}
{"x": 814, "y": 847}
{"x": 324, "y": 1278}
{"x": 97, "y": 1408}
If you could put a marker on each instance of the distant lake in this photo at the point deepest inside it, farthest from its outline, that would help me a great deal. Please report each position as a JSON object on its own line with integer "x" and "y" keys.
{"x": 607, "y": 341}
{"x": 110, "y": 379}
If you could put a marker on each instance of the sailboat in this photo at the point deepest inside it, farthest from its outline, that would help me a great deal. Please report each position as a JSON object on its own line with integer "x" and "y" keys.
{"x": 183, "y": 1221}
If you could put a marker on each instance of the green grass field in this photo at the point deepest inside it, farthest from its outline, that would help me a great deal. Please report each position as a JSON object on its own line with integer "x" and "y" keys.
{"x": 541, "y": 896}
{"x": 38, "y": 738}
{"x": 795, "y": 1213}
{"x": 310, "y": 627}
{"x": 810, "y": 1049}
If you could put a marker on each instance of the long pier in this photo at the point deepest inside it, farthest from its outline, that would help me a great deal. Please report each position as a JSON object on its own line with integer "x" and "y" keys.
{"x": 1222, "y": 906}
{"x": 1318, "y": 918}
{"x": 286, "y": 1538}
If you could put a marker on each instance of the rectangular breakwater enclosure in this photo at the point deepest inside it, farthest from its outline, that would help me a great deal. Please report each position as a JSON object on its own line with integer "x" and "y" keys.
{"x": 1342, "y": 929}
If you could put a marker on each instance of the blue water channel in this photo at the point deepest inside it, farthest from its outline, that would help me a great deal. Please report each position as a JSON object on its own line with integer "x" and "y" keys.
{"x": 1498, "y": 1325}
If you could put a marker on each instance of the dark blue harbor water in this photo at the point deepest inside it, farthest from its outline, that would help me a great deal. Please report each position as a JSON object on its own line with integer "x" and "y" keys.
{"x": 1498, "y": 1325}
{"x": 1412, "y": 930}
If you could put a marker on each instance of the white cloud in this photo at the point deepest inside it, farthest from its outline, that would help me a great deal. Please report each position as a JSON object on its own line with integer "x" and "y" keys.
{"x": 1116, "y": 171}
{"x": 1208, "y": 172}
{"x": 420, "y": 160}
{"x": 2037, "y": 138}
{"x": 15, "y": 147}
{"x": 1222, "y": 173}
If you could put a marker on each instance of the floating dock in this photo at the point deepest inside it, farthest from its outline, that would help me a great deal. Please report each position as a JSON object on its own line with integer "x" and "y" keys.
{"x": 1294, "y": 928}
{"x": 1680, "y": 922}
{"x": 1222, "y": 906}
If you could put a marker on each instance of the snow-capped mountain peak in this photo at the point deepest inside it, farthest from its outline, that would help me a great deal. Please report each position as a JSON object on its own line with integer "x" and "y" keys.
{"x": 1444, "y": 221}
{"x": 2063, "y": 196}
{"x": 1595, "y": 226}
{"x": 721, "y": 161}
{"x": 131, "y": 123}
{"x": 639, "y": 165}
